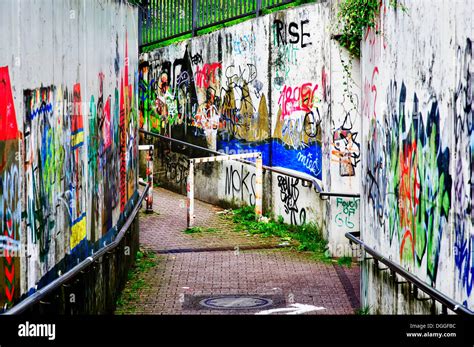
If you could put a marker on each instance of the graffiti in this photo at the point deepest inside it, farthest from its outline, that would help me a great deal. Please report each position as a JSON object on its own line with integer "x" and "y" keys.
{"x": 168, "y": 97}
{"x": 292, "y": 33}
{"x": 10, "y": 203}
{"x": 128, "y": 138}
{"x": 245, "y": 43}
{"x": 310, "y": 163}
{"x": 197, "y": 59}
{"x": 237, "y": 76}
{"x": 346, "y": 149}
{"x": 408, "y": 178}
{"x": 43, "y": 178}
{"x": 299, "y": 98}
{"x": 463, "y": 179}
{"x": 206, "y": 74}
{"x": 176, "y": 167}
{"x": 370, "y": 96}
{"x": 240, "y": 184}
{"x": 76, "y": 170}
{"x": 286, "y": 56}
{"x": 289, "y": 194}
{"x": 347, "y": 211}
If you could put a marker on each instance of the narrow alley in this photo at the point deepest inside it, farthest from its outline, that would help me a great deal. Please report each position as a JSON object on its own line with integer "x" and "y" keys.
{"x": 223, "y": 262}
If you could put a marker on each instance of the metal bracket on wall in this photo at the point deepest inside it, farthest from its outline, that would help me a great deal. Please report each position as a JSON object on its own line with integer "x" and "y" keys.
{"x": 394, "y": 276}
{"x": 379, "y": 268}
{"x": 415, "y": 295}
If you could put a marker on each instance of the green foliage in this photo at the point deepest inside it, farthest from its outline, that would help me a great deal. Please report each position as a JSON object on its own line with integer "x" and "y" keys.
{"x": 195, "y": 230}
{"x": 308, "y": 236}
{"x": 354, "y": 17}
{"x": 345, "y": 261}
{"x": 363, "y": 311}
{"x": 144, "y": 261}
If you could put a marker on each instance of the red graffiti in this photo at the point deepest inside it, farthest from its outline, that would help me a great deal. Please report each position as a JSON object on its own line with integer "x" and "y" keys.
{"x": 8, "y": 126}
{"x": 324, "y": 81}
{"x": 370, "y": 96}
{"x": 106, "y": 134}
{"x": 123, "y": 131}
{"x": 409, "y": 191}
{"x": 299, "y": 98}
{"x": 207, "y": 74}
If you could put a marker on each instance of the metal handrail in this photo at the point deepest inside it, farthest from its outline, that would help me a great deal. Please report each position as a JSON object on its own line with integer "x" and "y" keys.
{"x": 48, "y": 289}
{"x": 265, "y": 167}
{"x": 435, "y": 294}
{"x": 342, "y": 195}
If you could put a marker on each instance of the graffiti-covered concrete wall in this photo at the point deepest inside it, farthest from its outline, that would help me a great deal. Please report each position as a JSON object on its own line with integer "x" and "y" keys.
{"x": 417, "y": 150}
{"x": 263, "y": 85}
{"x": 68, "y": 134}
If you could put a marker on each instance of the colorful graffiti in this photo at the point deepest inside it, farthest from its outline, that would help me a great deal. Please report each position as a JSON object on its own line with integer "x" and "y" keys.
{"x": 464, "y": 169}
{"x": 70, "y": 180}
{"x": 10, "y": 203}
{"x": 224, "y": 104}
{"x": 408, "y": 180}
{"x": 345, "y": 147}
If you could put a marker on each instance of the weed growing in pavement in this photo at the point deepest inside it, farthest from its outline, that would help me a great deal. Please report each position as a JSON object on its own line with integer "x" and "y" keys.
{"x": 195, "y": 230}
{"x": 144, "y": 261}
{"x": 363, "y": 311}
{"x": 307, "y": 236}
{"x": 345, "y": 261}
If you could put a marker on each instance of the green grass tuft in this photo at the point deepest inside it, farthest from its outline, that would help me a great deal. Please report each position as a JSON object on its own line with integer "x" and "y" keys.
{"x": 308, "y": 236}
{"x": 195, "y": 230}
{"x": 144, "y": 261}
{"x": 345, "y": 261}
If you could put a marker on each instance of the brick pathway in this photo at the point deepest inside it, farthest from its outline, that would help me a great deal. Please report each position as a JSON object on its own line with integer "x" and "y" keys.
{"x": 209, "y": 263}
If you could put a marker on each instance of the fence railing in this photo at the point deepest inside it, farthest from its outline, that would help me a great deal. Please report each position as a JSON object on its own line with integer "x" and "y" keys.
{"x": 73, "y": 276}
{"x": 160, "y": 20}
{"x": 417, "y": 284}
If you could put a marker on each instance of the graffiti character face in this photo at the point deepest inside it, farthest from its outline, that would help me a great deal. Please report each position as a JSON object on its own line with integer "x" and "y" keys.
{"x": 164, "y": 83}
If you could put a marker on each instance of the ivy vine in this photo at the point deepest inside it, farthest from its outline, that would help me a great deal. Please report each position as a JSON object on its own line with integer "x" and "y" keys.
{"x": 354, "y": 17}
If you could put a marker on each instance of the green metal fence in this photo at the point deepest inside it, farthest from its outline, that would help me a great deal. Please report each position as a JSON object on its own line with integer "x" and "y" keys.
{"x": 161, "y": 20}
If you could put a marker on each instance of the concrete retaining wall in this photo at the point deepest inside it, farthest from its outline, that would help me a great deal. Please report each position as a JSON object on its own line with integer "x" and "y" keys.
{"x": 263, "y": 85}
{"x": 68, "y": 140}
{"x": 417, "y": 151}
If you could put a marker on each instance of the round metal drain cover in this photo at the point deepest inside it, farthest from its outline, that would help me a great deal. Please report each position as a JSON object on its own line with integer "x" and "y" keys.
{"x": 236, "y": 302}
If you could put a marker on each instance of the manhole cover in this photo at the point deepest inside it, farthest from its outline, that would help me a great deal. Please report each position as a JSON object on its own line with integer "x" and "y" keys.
{"x": 232, "y": 302}
{"x": 236, "y": 302}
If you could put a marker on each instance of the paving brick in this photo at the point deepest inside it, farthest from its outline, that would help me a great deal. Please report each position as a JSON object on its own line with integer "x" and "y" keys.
{"x": 258, "y": 271}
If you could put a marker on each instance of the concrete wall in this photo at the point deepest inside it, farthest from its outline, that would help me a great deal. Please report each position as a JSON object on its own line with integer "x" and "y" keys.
{"x": 417, "y": 151}
{"x": 68, "y": 139}
{"x": 263, "y": 85}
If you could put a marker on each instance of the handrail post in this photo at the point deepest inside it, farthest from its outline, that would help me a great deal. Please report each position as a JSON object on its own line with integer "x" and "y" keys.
{"x": 190, "y": 195}
{"x": 258, "y": 186}
{"x": 194, "y": 19}
{"x": 149, "y": 174}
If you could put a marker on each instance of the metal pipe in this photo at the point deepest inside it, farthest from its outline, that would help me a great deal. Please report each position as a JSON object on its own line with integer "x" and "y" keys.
{"x": 43, "y": 292}
{"x": 342, "y": 195}
{"x": 418, "y": 283}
